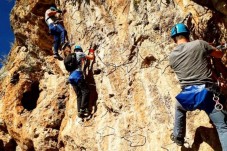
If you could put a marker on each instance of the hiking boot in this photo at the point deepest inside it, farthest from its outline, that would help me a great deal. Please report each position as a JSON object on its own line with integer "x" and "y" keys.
{"x": 57, "y": 56}
{"x": 79, "y": 115}
{"x": 85, "y": 112}
{"x": 179, "y": 141}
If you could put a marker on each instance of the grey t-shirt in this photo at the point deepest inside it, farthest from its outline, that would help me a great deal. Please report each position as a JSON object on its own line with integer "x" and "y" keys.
{"x": 189, "y": 62}
{"x": 80, "y": 56}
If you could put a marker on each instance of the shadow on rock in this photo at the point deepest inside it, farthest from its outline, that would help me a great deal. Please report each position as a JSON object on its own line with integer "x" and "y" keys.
{"x": 207, "y": 135}
{"x": 92, "y": 87}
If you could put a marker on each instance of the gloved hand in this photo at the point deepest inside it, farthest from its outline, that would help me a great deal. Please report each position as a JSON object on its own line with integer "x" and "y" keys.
{"x": 67, "y": 82}
{"x": 93, "y": 46}
{"x": 64, "y": 11}
{"x": 222, "y": 47}
{"x": 59, "y": 11}
{"x": 91, "y": 50}
{"x": 58, "y": 21}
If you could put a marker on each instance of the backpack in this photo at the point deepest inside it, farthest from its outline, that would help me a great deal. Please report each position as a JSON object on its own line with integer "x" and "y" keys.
{"x": 71, "y": 62}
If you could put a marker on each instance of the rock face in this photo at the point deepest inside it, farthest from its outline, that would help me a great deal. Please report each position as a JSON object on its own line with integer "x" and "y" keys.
{"x": 132, "y": 87}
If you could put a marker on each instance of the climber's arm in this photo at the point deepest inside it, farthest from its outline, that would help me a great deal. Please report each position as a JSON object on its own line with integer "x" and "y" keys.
{"x": 52, "y": 13}
{"x": 216, "y": 53}
{"x": 91, "y": 54}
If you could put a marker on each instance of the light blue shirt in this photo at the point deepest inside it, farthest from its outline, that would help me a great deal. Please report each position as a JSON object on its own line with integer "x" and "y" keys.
{"x": 76, "y": 75}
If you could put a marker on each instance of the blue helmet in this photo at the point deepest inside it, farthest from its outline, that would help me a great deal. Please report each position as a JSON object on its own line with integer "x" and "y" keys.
{"x": 53, "y": 8}
{"x": 78, "y": 48}
{"x": 178, "y": 29}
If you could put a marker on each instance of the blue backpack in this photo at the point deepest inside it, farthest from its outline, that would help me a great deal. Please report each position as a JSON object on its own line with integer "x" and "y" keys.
{"x": 192, "y": 96}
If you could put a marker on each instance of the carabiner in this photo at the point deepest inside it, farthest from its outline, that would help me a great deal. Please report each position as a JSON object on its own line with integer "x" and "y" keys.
{"x": 216, "y": 98}
{"x": 218, "y": 106}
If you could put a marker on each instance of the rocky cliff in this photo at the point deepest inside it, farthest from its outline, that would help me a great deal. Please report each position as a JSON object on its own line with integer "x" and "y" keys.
{"x": 132, "y": 87}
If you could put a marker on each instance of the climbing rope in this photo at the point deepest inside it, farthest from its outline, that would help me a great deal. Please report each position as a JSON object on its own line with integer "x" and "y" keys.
{"x": 127, "y": 62}
{"x": 132, "y": 144}
{"x": 187, "y": 17}
{"x": 127, "y": 137}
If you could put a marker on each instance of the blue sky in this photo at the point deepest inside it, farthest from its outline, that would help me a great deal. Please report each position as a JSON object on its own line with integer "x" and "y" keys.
{"x": 6, "y": 34}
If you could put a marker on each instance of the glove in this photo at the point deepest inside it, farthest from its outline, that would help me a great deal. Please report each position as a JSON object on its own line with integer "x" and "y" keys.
{"x": 59, "y": 11}
{"x": 222, "y": 47}
{"x": 91, "y": 50}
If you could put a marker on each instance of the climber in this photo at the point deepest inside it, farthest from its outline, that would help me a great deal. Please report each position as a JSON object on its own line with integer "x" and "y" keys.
{"x": 56, "y": 29}
{"x": 15, "y": 77}
{"x": 73, "y": 64}
{"x": 199, "y": 90}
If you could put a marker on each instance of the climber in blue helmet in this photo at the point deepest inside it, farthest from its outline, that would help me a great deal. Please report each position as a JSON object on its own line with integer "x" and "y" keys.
{"x": 180, "y": 29}
{"x": 73, "y": 63}
{"x": 78, "y": 49}
{"x": 189, "y": 62}
{"x": 56, "y": 29}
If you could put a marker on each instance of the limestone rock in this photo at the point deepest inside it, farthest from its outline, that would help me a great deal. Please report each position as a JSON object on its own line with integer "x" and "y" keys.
{"x": 132, "y": 96}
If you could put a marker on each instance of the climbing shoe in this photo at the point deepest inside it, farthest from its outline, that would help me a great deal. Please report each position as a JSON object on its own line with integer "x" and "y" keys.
{"x": 57, "y": 56}
{"x": 80, "y": 115}
{"x": 85, "y": 112}
{"x": 179, "y": 141}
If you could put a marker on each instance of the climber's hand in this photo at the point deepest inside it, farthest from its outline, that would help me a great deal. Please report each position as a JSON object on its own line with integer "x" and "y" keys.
{"x": 64, "y": 11}
{"x": 58, "y": 21}
{"x": 67, "y": 82}
{"x": 222, "y": 47}
{"x": 59, "y": 11}
{"x": 91, "y": 50}
{"x": 93, "y": 46}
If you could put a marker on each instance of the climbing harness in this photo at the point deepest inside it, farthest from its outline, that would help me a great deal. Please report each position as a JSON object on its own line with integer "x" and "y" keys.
{"x": 218, "y": 106}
